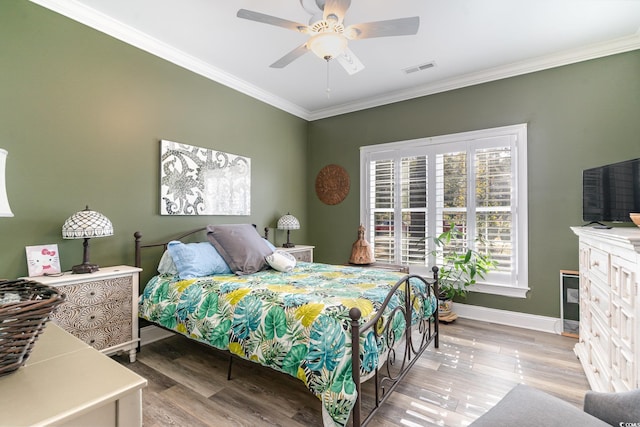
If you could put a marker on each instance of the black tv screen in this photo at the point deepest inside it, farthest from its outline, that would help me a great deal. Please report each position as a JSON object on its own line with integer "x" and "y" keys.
{"x": 611, "y": 192}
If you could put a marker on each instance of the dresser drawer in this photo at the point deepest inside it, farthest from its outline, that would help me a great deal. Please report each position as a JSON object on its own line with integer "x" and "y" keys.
{"x": 78, "y": 318}
{"x": 600, "y": 370}
{"x": 600, "y": 302}
{"x": 301, "y": 253}
{"x": 600, "y": 340}
{"x": 98, "y": 291}
{"x": 304, "y": 256}
{"x": 107, "y": 336}
{"x": 598, "y": 264}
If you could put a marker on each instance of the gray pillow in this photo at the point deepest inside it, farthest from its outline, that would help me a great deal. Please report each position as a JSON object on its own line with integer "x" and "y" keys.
{"x": 243, "y": 249}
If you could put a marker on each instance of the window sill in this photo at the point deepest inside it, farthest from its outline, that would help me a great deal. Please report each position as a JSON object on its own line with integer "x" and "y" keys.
{"x": 494, "y": 289}
{"x": 483, "y": 288}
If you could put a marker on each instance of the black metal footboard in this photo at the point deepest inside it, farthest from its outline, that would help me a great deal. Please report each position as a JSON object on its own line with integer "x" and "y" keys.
{"x": 402, "y": 355}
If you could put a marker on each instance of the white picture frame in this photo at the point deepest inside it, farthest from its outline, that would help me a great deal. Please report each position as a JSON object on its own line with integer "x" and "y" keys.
{"x": 43, "y": 260}
{"x": 200, "y": 181}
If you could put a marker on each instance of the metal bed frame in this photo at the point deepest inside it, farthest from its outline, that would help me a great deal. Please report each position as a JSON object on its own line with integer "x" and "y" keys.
{"x": 400, "y": 359}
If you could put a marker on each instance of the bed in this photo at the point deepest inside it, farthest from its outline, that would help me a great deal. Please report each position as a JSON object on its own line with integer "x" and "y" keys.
{"x": 333, "y": 327}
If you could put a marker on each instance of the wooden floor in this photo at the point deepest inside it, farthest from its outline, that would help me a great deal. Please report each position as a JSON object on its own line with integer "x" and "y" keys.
{"x": 476, "y": 365}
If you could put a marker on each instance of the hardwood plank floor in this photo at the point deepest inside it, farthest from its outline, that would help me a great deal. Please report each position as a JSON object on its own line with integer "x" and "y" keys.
{"x": 476, "y": 365}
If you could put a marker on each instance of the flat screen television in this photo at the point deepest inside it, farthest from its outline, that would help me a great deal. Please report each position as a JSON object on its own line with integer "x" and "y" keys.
{"x": 611, "y": 192}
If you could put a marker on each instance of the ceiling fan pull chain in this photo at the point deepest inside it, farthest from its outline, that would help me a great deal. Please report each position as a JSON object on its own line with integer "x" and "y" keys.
{"x": 328, "y": 89}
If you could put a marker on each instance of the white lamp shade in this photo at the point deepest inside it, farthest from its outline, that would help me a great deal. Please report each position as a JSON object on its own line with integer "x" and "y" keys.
{"x": 87, "y": 224}
{"x": 5, "y": 210}
{"x": 327, "y": 45}
{"x": 288, "y": 222}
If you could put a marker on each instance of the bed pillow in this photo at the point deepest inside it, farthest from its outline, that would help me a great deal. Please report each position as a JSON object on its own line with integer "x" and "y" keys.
{"x": 241, "y": 247}
{"x": 271, "y": 246}
{"x": 166, "y": 264}
{"x": 281, "y": 261}
{"x": 197, "y": 259}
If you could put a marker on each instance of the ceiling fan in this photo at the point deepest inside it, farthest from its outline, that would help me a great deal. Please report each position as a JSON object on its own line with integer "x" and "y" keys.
{"x": 328, "y": 36}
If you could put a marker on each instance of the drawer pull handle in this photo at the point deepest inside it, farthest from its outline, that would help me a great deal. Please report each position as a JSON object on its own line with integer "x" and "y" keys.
{"x": 607, "y": 313}
{"x": 92, "y": 293}
{"x": 596, "y": 334}
{"x": 594, "y": 369}
{"x": 595, "y": 264}
{"x": 92, "y": 317}
{"x": 595, "y": 299}
{"x": 92, "y": 341}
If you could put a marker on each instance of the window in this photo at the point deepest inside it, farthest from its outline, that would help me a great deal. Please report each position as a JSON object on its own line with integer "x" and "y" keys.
{"x": 412, "y": 190}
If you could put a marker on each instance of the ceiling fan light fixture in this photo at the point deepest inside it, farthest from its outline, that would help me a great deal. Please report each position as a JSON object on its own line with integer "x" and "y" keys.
{"x": 327, "y": 45}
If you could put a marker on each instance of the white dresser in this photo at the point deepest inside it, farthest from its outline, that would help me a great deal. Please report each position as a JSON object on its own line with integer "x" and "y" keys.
{"x": 609, "y": 344}
{"x": 100, "y": 308}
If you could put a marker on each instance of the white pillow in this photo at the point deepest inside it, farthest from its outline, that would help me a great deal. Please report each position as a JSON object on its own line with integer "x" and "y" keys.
{"x": 166, "y": 264}
{"x": 281, "y": 261}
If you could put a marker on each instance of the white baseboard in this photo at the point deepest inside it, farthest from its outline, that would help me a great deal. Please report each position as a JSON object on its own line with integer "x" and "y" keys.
{"x": 510, "y": 318}
{"x": 149, "y": 334}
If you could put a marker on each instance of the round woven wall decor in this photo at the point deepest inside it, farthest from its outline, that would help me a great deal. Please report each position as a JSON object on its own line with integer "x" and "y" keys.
{"x": 332, "y": 184}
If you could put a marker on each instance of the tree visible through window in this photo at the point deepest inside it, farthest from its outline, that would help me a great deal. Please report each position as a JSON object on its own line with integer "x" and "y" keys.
{"x": 475, "y": 180}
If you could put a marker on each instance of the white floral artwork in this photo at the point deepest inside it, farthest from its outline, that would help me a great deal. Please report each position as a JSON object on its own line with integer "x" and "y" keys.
{"x": 43, "y": 260}
{"x": 200, "y": 181}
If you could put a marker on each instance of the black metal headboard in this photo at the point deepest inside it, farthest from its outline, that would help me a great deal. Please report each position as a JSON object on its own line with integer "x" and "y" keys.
{"x": 139, "y": 246}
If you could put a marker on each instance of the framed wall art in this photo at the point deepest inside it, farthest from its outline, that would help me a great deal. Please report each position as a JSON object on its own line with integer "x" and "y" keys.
{"x": 201, "y": 181}
{"x": 43, "y": 260}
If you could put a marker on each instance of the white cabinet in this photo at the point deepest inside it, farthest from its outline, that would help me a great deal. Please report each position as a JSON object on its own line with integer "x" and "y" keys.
{"x": 609, "y": 344}
{"x": 65, "y": 382}
{"x": 100, "y": 308}
{"x": 302, "y": 253}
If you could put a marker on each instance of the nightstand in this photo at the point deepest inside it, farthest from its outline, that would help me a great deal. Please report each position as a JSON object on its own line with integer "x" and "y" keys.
{"x": 101, "y": 308}
{"x": 302, "y": 253}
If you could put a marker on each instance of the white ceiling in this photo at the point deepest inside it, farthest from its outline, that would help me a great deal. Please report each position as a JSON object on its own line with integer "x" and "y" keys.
{"x": 470, "y": 41}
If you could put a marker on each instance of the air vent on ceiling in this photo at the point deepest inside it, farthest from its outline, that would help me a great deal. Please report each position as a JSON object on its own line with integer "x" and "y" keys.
{"x": 420, "y": 67}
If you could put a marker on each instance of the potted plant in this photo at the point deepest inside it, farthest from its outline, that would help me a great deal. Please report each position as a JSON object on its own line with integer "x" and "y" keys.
{"x": 461, "y": 267}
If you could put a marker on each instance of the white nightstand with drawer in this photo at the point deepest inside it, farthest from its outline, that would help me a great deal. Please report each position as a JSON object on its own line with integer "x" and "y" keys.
{"x": 101, "y": 308}
{"x": 302, "y": 253}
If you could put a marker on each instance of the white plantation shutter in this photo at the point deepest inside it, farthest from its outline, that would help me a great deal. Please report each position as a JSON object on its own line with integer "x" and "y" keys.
{"x": 382, "y": 193}
{"x": 477, "y": 180}
{"x": 494, "y": 186}
{"x": 413, "y": 182}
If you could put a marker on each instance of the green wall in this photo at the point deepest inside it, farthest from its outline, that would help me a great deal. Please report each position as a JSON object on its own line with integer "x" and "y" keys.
{"x": 82, "y": 115}
{"x": 578, "y": 116}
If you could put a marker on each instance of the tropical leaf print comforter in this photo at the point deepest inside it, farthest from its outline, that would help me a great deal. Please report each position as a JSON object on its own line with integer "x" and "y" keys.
{"x": 296, "y": 322}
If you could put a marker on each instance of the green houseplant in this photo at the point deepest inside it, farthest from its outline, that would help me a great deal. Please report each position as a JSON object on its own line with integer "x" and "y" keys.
{"x": 460, "y": 266}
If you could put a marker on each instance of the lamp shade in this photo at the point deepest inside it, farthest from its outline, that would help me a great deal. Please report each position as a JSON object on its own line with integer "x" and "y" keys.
{"x": 327, "y": 45}
{"x": 5, "y": 210}
{"x": 288, "y": 222}
{"x": 87, "y": 224}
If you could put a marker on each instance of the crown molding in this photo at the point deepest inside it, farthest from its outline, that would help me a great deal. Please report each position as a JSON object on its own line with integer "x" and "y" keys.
{"x": 103, "y": 23}
{"x": 620, "y": 45}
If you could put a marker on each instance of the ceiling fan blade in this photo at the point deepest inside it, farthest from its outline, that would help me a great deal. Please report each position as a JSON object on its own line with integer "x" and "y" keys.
{"x": 290, "y": 57}
{"x": 392, "y": 27}
{"x": 311, "y": 6}
{"x": 335, "y": 9}
{"x": 350, "y": 62}
{"x": 271, "y": 20}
